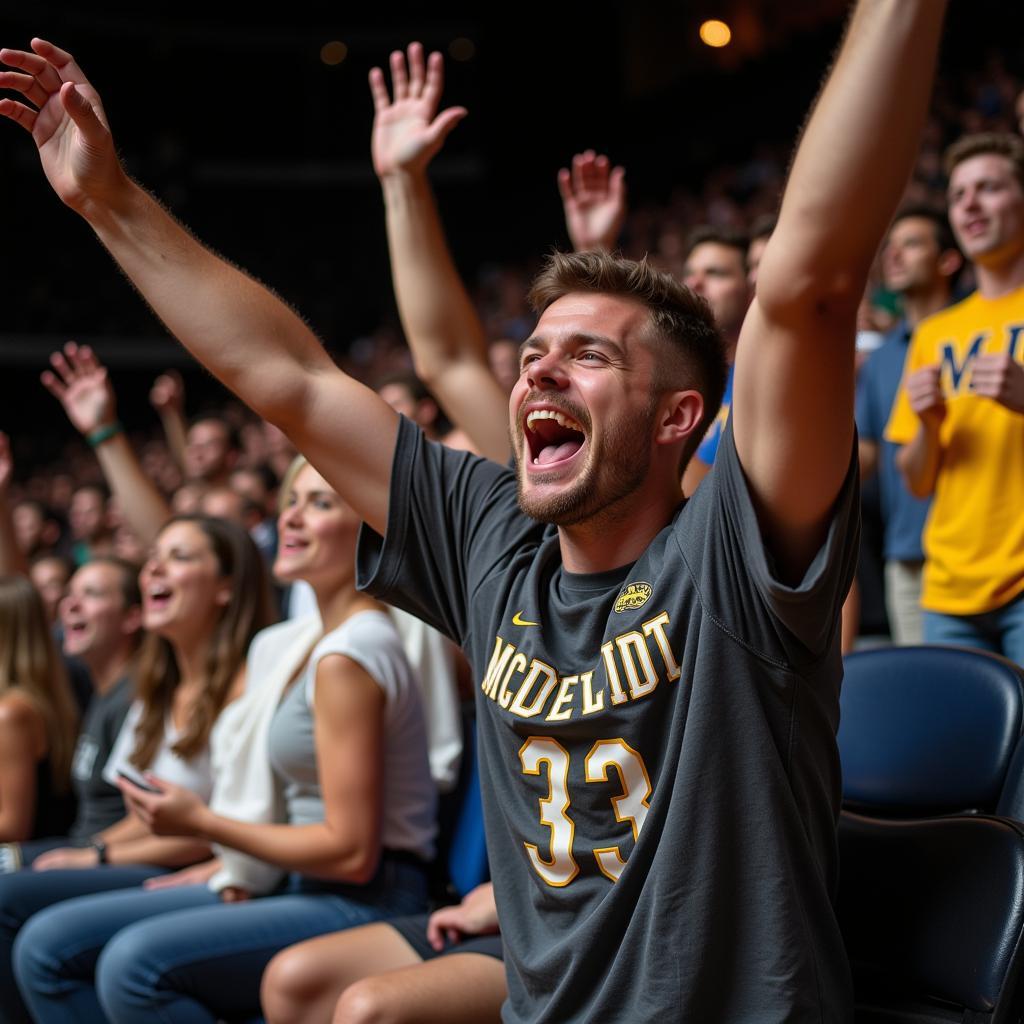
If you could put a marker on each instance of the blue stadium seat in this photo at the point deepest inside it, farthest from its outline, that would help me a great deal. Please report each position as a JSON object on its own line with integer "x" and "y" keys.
{"x": 931, "y": 894}
{"x": 931, "y": 730}
{"x": 467, "y": 854}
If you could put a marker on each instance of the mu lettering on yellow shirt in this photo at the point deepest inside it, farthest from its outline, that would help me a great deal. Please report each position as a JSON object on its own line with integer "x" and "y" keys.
{"x": 974, "y": 538}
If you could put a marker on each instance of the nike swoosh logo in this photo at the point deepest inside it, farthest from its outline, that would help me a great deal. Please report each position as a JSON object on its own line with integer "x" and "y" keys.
{"x": 518, "y": 620}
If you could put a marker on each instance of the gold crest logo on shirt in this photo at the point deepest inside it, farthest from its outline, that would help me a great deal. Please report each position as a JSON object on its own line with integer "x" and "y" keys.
{"x": 634, "y": 596}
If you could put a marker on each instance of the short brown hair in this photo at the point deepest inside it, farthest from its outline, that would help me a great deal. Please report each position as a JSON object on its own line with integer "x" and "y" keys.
{"x": 730, "y": 238}
{"x": 982, "y": 143}
{"x": 678, "y": 316}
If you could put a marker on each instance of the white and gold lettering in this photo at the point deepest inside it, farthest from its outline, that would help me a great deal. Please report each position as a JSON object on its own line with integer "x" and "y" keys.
{"x": 631, "y": 806}
{"x": 561, "y": 868}
{"x": 561, "y": 709}
{"x": 499, "y": 659}
{"x": 538, "y": 669}
{"x": 611, "y": 670}
{"x": 633, "y": 648}
{"x": 591, "y": 704}
{"x": 656, "y": 627}
{"x": 517, "y": 664}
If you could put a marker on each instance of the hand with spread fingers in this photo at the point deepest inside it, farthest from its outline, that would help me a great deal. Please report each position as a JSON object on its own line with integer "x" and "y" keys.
{"x": 80, "y": 383}
{"x": 63, "y": 114}
{"x": 594, "y": 198}
{"x": 407, "y": 130}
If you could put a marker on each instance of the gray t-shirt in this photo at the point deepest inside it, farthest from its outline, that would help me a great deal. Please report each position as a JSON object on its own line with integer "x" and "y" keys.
{"x": 408, "y": 793}
{"x": 99, "y": 803}
{"x": 657, "y": 743}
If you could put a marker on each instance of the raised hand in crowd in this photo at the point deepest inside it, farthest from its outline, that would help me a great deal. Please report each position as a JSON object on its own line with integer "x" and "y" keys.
{"x": 82, "y": 386}
{"x": 443, "y": 329}
{"x": 254, "y": 343}
{"x": 80, "y": 383}
{"x": 407, "y": 129}
{"x": 66, "y": 121}
{"x": 594, "y": 199}
{"x": 167, "y": 396}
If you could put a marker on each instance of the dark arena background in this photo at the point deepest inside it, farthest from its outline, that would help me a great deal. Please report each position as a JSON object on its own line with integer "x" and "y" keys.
{"x": 233, "y": 116}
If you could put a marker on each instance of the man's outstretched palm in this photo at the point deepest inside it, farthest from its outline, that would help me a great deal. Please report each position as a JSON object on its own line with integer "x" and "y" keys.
{"x": 65, "y": 117}
{"x": 406, "y": 132}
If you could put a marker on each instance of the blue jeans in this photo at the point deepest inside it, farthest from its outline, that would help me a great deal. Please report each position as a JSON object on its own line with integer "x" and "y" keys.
{"x": 25, "y": 893}
{"x": 180, "y": 955}
{"x": 1000, "y": 631}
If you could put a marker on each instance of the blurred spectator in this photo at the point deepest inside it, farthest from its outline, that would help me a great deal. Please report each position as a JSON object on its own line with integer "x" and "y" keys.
{"x": 35, "y": 528}
{"x": 920, "y": 262}
{"x": 49, "y": 574}
{"x": 188, "y": 498}
{"x": 960, "y": 414}
{"x": 91, "y": 534}
{"x": 212, "y": 448}
{"x": 503, "y": 355}
{"x": 716, "y": 269}
{"x": 258, "y": 485}
{"x": 38, "y": 720}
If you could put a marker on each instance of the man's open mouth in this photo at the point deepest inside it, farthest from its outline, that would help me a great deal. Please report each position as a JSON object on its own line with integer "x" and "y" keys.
{"x": 552, "y": 436}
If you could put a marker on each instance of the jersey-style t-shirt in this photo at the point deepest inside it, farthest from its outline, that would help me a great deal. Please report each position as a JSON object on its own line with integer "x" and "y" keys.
{"x": 974, "y": 539}
{"x": 658, "y": 762}
{"x": 100, "y": 804}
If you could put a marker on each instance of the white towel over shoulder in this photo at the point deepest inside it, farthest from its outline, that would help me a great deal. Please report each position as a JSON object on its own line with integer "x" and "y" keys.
{"x": 243, "y": 781}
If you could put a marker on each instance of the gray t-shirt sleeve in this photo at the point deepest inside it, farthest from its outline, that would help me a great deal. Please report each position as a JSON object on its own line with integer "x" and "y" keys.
{"x": 444, "y": 505}
{"x": 791, "y": 624}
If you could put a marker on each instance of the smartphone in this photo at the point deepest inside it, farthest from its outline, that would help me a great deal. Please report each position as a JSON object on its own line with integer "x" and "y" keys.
{"x": 138, "y": 780}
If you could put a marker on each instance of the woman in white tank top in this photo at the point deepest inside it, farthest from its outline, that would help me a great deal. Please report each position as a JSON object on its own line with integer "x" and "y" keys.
{"x": 348, "y": 749}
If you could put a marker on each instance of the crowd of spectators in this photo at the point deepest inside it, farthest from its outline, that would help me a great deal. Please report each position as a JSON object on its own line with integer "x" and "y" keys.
{"x": 220, "y": 494}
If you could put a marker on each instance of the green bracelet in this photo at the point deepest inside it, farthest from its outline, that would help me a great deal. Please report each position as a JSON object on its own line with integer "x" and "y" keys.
{"x": 97, "y": 437}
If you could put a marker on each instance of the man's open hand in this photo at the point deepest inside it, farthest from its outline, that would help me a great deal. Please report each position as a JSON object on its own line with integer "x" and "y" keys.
{"x": 65, "y": 117}
{"x": 594, "y": 199}
{"x": 406, "y": 132}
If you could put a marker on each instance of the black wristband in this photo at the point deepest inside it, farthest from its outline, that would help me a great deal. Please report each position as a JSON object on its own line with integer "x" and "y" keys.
{"x": 101, "y": 851}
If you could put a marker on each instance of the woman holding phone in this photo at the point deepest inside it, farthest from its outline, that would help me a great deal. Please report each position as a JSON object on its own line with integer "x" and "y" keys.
{"x": 347, "y": 745}
{"x": 204, "y": 596}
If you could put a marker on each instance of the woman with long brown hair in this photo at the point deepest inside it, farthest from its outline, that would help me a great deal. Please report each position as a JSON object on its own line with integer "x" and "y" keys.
{"x": 204, "y": 597}
{"x": 38, "y": 720}
{"x": 352, "y": 828}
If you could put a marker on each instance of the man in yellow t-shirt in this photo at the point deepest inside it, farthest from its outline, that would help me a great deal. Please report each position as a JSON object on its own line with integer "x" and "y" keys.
{"x": 960, "y": 412}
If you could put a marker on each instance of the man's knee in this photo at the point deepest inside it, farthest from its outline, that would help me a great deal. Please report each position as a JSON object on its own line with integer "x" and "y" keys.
{"x": 369, "y": 1001}
{"x": 289, "y": 988}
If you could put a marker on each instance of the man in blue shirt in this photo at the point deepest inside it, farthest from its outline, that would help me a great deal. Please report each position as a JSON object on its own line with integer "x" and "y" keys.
{"x": 920, "y": 262}
{"x": 716, "y": 269}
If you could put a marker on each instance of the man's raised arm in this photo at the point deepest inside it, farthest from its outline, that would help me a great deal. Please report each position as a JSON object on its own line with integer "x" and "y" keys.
{"x": 240, "y": 331}
{"x": 794, "y": 386}
{"x": 443, "y": 330}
